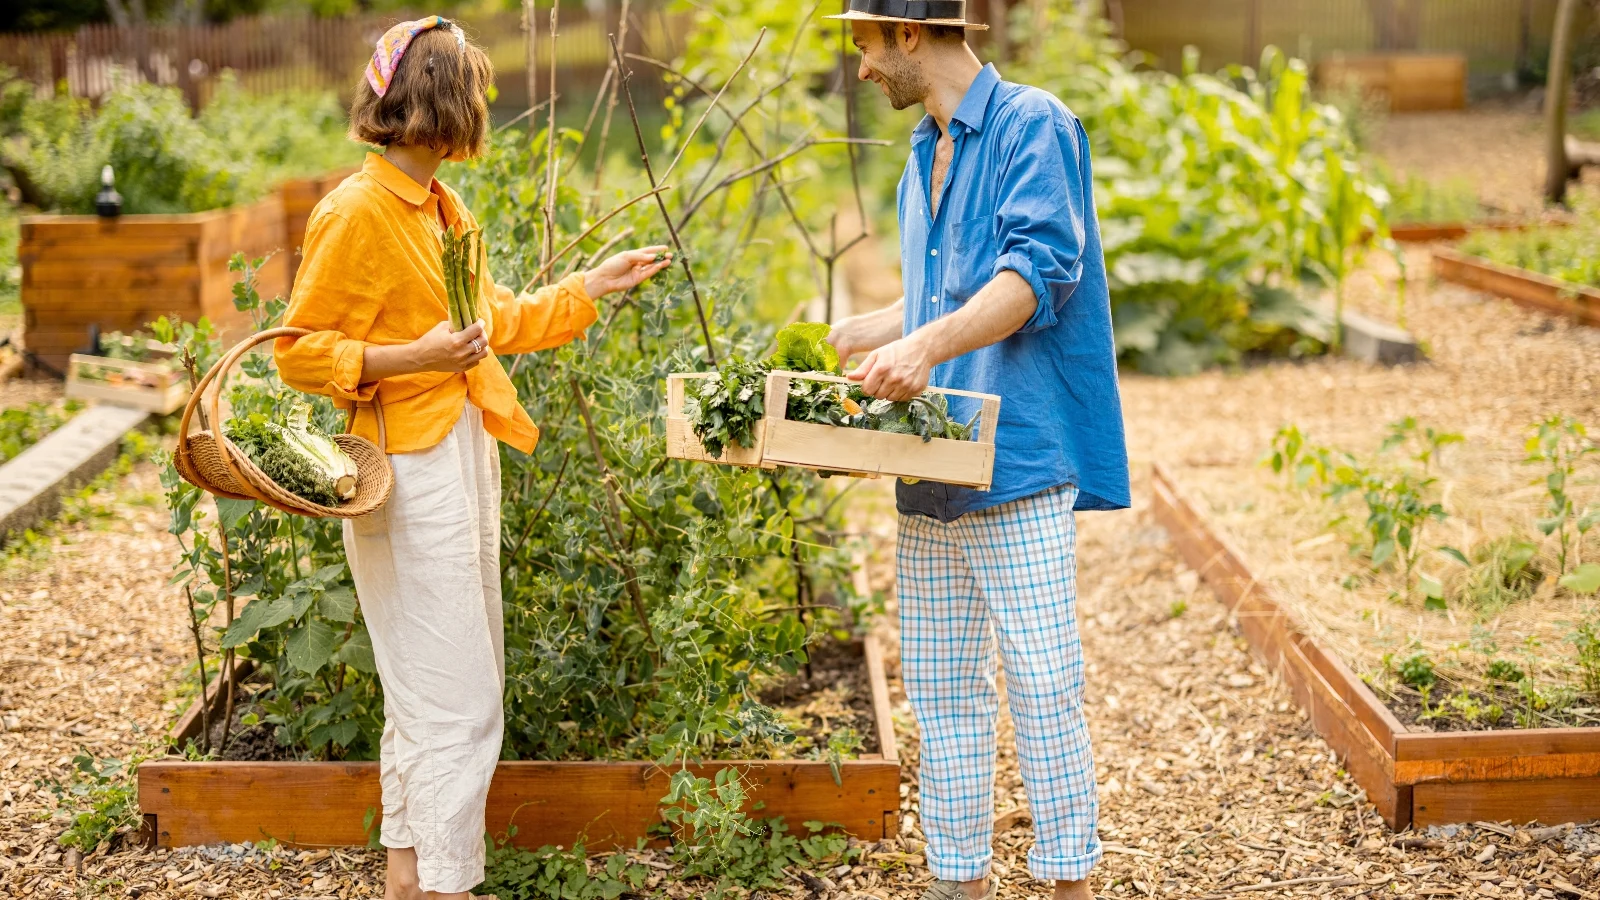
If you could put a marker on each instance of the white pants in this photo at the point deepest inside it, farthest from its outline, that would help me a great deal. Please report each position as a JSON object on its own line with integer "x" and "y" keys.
{"x": 427, "y": 570}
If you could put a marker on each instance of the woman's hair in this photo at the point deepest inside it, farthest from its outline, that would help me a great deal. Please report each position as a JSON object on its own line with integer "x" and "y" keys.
{"x": 438, "y": 98}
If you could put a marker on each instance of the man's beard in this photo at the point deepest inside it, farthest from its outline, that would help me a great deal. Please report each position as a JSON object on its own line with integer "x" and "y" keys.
{"x": 902, "y": 80}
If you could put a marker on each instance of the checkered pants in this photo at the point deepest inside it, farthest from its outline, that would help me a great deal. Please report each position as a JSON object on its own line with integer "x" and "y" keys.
{"x": 1008, "y": 572}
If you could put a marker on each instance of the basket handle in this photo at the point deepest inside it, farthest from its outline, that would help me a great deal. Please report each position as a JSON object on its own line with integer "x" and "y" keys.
{"x": 218, "y": 373}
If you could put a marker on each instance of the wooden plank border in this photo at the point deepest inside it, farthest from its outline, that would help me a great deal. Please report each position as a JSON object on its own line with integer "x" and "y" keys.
{"x": 608, "y": 804}
{"x": 1522, "y": 287}
{"x": 1413, "y": 778}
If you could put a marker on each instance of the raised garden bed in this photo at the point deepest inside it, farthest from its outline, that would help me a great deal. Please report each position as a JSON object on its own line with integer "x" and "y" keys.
{"x": 1404, "y": 82}
{"x": 1429, "y": 232}
{"x": 610, "y": 804}
{"x": 1520, "y": 286}
{"x": 1415, "y": 779}
{"x": 122, "y": 273}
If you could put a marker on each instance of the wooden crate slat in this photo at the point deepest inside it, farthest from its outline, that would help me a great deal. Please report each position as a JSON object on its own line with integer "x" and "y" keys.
{"x": 858, "y": 450}
{"x": 111, "y": 275}
{"x": 1550, "y": 801}
{"x": 1525, "y": 288}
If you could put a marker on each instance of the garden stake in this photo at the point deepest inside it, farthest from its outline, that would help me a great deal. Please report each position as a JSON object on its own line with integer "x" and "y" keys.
{"x": 550, "y": 151}
{"x": 611, "y": 108}
{"x": 677, "y": 243}
{"x": 550, "y": 264}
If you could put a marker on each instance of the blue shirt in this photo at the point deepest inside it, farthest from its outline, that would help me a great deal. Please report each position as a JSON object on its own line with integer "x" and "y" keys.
{"x": 1018, "y": 196}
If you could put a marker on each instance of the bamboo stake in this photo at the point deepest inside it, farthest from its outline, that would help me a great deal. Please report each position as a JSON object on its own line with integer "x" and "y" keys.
{"x": 550, "y": 151}
{"x": 677, "y": 243}
{"x": 545, "y": 269}
{"x": 227, "y": 657}
{"x": 611, "y": 108}
{"x": 530, "y": 26}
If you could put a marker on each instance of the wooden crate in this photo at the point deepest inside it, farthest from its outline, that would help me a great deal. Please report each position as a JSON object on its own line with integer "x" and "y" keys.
{"x": 123, "y": 273}
{"x": 681, "y": 442}
{"x": 154, "y": 387}
{"x": 300, "y": 197}
{"x": 1405, "y": 82}
{"x": 1522, "y": 287}
{"x": 1415, "y": 779}
{"x": 610, "y": 804}
{"x": 858, "y": 451}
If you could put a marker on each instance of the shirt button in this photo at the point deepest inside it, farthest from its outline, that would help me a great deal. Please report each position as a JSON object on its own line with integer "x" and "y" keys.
{"x": 934, "y": 251}
{"x": 935, "y": 298}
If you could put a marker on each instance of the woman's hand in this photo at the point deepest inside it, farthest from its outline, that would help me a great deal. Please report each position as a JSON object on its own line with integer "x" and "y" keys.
{"x": 440, "y": 350}
{"x": 624, "y": 271}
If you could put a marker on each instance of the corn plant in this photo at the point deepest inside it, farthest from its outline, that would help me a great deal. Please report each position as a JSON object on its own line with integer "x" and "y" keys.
{"x": 1559, "y": 444}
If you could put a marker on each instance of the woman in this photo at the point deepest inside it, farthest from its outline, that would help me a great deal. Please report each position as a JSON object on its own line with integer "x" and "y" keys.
{"x": 426, "y": 566}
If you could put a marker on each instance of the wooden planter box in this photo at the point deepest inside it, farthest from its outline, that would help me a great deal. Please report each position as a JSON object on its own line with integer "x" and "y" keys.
{"x": 1520, "y": 286}
{"x": 1415, "y": 779}
{"x": 610, "y": 804}
{"x": 154, "y": 387}
{"x": 857, "y": 451}
{"x": 300, "y": 197}
{"x": 1428, "y": 232}
{"x": 123, "y": 273}
{"x": 1406, "y": 82}
{"x": 681, "y": 442}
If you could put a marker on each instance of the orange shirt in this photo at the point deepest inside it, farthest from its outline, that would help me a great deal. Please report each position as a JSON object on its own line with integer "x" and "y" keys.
{"x": 371, "y": 275}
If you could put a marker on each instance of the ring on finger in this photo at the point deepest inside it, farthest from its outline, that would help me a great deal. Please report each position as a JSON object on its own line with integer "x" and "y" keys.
{"x": 476, "y": 346}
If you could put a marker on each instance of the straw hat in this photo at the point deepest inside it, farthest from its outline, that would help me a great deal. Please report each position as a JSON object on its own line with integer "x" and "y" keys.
{"x": 922, "y": 12}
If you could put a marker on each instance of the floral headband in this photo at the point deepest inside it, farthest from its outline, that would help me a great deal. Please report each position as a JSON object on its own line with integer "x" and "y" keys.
{"x": 393, "y": 44}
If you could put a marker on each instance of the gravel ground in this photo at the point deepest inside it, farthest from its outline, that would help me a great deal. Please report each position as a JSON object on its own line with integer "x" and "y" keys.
{"x": 1211, "y": 779}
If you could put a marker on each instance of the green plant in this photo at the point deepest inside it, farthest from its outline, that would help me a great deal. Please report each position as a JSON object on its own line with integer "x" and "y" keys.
{"x": 1586, "y": 639}
{"x": 104, "y": 798}
{"x": 553, "y": 873}
{"x": 1416, "y": 669}
{"x": 298, "y": 456}
{"x": 1502, "y": 572}
{"x": 1398, "y": 511}
{"x": 1224, "y": 199}
{"x": 1505, "y": 670}
{"x": 724, "y": 407}
{"x": 1560, "y": 443}
{"x": 165, "y": 159}
{"x": 1304, "y": 464}
{"x": 22, "y": 427}
{"x": 1421, "y": 201}
{"x": 463, "y": 271}
{"x": 1570, "y": 253}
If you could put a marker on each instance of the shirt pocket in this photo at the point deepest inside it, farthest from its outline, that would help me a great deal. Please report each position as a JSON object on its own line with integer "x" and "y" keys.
{"x": 970, "y": 263}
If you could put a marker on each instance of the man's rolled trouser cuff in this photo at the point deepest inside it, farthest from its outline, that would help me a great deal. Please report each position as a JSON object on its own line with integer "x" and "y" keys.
{"x": 1064, "y": 868}
{"x": 957, "y": 869}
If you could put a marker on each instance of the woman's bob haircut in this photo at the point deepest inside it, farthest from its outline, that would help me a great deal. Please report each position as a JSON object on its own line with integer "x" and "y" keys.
{"x": 437, "y": 98}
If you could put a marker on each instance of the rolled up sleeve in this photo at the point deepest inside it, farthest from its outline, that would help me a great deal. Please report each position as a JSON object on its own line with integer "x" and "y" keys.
{"x": 549, "y": 317}
{"x": 1041, "y": 207}
{"x": 330, "y": 301}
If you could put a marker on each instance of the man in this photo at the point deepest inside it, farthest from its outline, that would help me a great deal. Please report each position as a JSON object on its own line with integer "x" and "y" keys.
{"x": 1005, "y": 294}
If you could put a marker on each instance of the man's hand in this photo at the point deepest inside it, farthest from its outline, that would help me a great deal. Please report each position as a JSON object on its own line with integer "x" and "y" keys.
{"x": 625, "y": 270}
{"x": 896, "y": 371}
{"x": 868, "y": 331}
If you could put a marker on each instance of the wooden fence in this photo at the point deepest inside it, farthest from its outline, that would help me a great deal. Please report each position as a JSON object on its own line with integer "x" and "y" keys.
{"x": 302, "y": 53}
{"x": 1498, "y": 37}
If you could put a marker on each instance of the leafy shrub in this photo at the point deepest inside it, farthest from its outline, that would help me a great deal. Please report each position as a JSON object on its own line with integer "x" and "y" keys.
{"x": 1568, "y": 253}
{"x": 1416, "y": 670}
{"x": 104, "y": 798}
{"x": 1418, "y": 200}
{"x": 167, "y": 161}
{"x": 23, "y": 426}
{"x": 1505, "y": 670}
{"x": 1560, "y": 443}
{"x": 1221, "y": 198}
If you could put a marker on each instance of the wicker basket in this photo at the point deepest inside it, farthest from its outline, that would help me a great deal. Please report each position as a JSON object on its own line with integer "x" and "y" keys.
{"x": 212, "y": 463}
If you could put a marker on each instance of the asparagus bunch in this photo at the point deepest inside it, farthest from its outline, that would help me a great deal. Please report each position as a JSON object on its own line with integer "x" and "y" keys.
{"x": 462, "y": 254}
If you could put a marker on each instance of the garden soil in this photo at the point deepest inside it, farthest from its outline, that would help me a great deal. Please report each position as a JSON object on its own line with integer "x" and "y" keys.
{"x": 1211, "y": 780}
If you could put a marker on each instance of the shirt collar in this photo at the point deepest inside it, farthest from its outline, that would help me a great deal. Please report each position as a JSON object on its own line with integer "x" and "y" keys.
{"x": 973, "y": 110}
{"x": 401, "y": 185}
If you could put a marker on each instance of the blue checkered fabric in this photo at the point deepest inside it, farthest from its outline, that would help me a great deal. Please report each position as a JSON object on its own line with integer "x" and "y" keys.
{"x": 1008, "y": 572}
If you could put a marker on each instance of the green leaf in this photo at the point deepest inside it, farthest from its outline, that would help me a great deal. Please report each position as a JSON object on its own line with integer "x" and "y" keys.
{"x": 1549, "y": 526}
{"x": 357, "y": 653}
{"x": 803, "y": 347}
{"x": 258, "y": 614}
{"x": 1433, "y": 591}
{"x": 1456, "y": 555}
{"x": 338, "y": 604}
{"x": 1382, "y": 551}
{"x": 1585, "y": 579}
{"x": 310, "y": 647}
{"x": 232, "y": 512}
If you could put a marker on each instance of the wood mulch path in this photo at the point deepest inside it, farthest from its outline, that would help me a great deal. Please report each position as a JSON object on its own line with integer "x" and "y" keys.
{"x": 1212, "y": 783}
